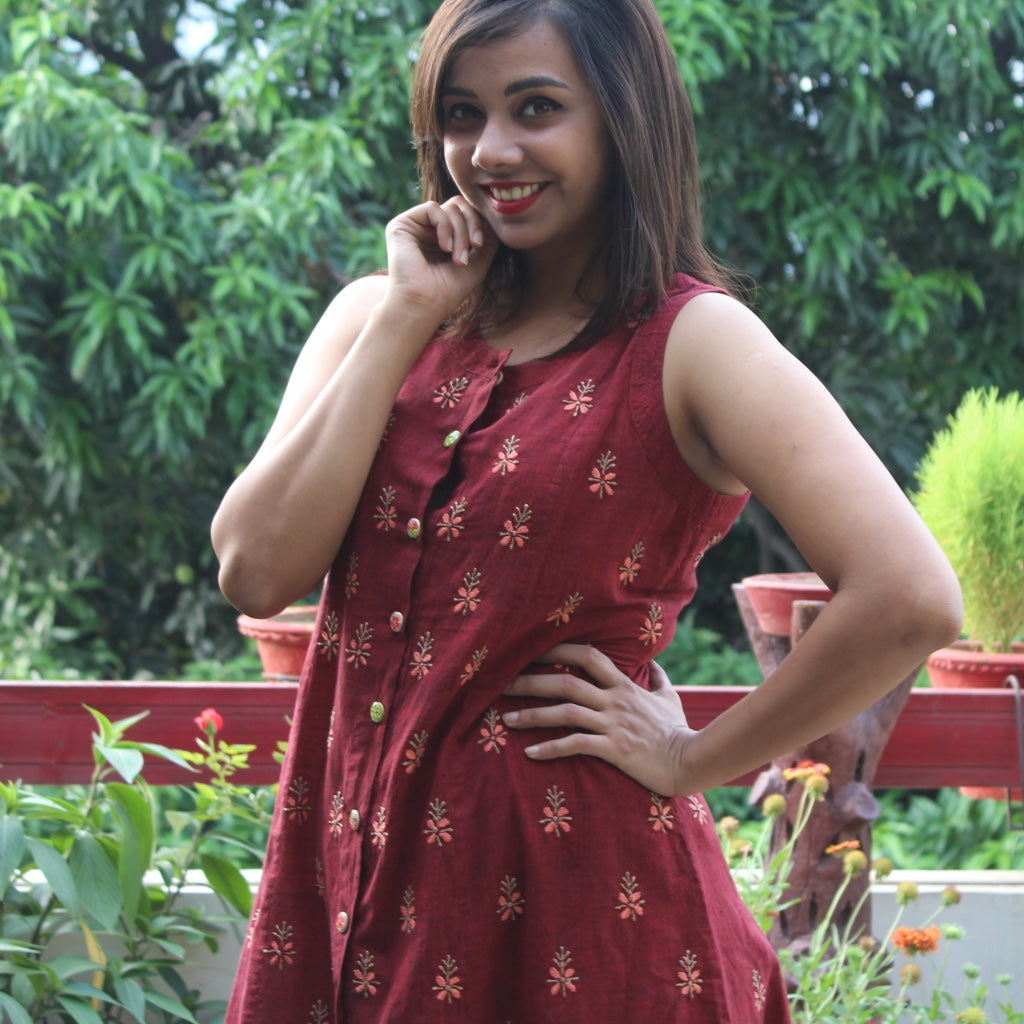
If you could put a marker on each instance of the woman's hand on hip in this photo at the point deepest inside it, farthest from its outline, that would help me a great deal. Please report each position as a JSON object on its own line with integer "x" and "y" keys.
{"x": 641, "y": 732}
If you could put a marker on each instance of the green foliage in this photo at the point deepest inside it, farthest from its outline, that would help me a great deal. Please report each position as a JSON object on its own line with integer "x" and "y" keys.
{"x": 971, "y": 496}
{"x": 90, "y": 861}
{"x": 174, "y": 216}
{"x": 699, "y": 656}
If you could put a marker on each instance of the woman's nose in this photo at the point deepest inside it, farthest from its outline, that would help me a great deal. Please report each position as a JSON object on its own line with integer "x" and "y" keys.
{"x": 496, "y": 146}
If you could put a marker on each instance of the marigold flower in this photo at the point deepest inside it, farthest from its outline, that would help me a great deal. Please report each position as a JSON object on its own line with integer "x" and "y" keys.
{"x": 774, "y": 805}
{"x": 209, "y": 720}
{"x": 910, "y": 974}
{"x": 804, "y": 770}
{"x": 950, "y": 896}
{"x": 972, "y": 1015}
{"x": 847, "y": 844}
{"x": 906, "y": 892}
{"x": 855, "y": 862}
{"x": 883, "y": 867}
{"x": 917, "y": 940}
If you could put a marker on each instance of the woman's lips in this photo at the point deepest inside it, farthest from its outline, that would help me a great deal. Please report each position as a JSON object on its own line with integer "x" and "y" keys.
{"x": 513, "y": 197}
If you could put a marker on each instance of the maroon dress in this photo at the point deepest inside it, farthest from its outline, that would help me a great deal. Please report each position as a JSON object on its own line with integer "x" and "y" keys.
{"x": 421, "y": 868}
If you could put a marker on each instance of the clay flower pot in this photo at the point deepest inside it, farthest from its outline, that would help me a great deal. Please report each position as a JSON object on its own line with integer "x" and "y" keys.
{"x": 282, "y": 641}
{"x": 772, "y": 596}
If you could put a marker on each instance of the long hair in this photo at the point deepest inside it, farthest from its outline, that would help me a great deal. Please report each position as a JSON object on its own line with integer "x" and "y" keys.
{"x": 654, "y": 226}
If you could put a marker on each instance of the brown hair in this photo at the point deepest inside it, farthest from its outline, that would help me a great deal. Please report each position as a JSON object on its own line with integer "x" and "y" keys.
{"x": 654, "y": 224}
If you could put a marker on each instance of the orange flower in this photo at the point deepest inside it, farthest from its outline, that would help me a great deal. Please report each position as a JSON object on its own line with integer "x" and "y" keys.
{"x": 917, "y": 940}
{"x": 804, "y": 770}
{"x": 838, "y": 848}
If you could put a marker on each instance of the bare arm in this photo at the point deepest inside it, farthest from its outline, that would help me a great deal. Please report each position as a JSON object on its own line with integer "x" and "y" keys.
{"x": 744, "y": 412}
{"x": 280, "y": 524}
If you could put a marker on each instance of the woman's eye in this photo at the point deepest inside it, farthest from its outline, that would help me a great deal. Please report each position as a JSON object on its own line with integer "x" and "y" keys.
{"x": 538, "y": 105}
{"x": 459, "y": 113}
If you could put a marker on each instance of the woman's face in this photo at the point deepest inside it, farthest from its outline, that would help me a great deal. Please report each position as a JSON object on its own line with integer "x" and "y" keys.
{"x": 525, "y": 142}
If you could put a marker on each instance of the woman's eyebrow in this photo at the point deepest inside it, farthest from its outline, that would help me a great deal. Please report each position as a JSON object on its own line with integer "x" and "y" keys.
{"x": 520, "y": 85}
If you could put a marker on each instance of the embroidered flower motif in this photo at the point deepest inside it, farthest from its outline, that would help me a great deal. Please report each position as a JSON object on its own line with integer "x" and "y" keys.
{"x": 336, "y": 816}
{"x": 364, "y": 976}
{"x": 439, "y": 830}
{"x": 557, "y": 818}
{"x": 699, "y": 808}
{"x": 450, "y": 394}
{"x": 414, "y": 752}
{"x": 602, "y": 477}
{"x": 472, "y": 666}
{"x": 281, "y": 950}
{"x": 520, "y": 398}
{"x": 422, "y": 658}
{"x": 447, "y": 983}
{"x": 352, "y": 576}
{"x": 296, "y": 803}
{"x": 760, "y": 991}
{"x": 690, "y": 982}
{"x": 329, "y": 640}
{"x": 580, "y": 400}
{"x": 561, "y": 976}
{"x": 516, "y": 533}
{"x": 661, "y": 816}
{"x": 359, "y": 646}
{"x": 631, "y": 901}
{"x": 508, "y": 457}
{"x": 650, "y": 633}
{"x": 710, "y": 543}
{"x": 510, "y": 902}
{"x": 566, "y": 610}
{"x": 386, "y": 513}
{"x": 379, "y": 828}
{"x": 319, "y": 1013}
{"x": 493, "y": 733}
{"x": 631, "y": 564}
{"x": 467, "y": 597}
{"x": 451, "y": 522}
{"x": 407, "y": 913}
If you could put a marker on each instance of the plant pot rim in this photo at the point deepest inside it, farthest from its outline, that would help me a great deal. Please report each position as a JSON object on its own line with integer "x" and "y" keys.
{"x": 967, "y": 652}
{"x": 291, "y": 623}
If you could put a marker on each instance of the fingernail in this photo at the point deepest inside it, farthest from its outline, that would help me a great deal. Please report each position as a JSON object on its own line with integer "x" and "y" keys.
{"x": 478, "y": 238}
{"x": 531, "y": 751}
{"x": 510, "y": 717}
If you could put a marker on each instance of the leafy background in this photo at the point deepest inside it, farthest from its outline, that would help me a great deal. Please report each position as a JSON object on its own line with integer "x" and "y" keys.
{"x": 175, "y": 215}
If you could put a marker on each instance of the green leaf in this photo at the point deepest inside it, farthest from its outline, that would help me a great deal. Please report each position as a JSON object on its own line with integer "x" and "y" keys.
{"x": 13, "y": 1011}
{"x": 137, "y": 843}
{"x": 169, "y": 1005}
{"x": 82, "y": 1013}
{"x": 12, "y": 848}
{"x": 96, "y": 880}
{"x": 126, "y": 761}
{"x": 56, "y": 872}
{"x": 132, "y": 997}
{"x": 227, "y": 882}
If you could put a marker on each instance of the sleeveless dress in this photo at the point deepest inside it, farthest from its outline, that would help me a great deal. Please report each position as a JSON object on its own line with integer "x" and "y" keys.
{"x": 420, "y": 867}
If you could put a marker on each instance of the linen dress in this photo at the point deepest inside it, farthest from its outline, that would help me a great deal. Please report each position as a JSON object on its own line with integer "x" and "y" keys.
{"x": 421, "y": 868}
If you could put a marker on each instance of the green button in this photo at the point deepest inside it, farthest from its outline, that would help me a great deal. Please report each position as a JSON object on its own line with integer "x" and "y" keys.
{"x": 451, "y": 438}
{"x": 376, "y": 712}
{"x": 414, "y": 527}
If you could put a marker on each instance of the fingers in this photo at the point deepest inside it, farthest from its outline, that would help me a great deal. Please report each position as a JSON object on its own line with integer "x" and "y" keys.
{"x": 454, "y": 227}
{"x": 597, "y": 666}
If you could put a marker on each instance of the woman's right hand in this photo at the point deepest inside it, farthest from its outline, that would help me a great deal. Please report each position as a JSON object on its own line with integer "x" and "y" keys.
{"x": 438, "y": 253}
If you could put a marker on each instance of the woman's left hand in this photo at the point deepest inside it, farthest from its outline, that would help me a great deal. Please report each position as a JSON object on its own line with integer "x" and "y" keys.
{"x": 641, "y": 732}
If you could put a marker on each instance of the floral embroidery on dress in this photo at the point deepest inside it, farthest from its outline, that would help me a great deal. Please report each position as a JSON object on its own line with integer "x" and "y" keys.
{"x": 467, "y": 598}
{"x": 631, "y": 901}
{"x": 510, "y": 902}
{"x": 422, "y": 658}
{"x": 700, "y": 810}
{"x": 704, "y": 550}
{"x": 493, "y": 733}
{"x": 336, "y": 816}
{"x": 447, "y": 983}
{"x": 386, "y": 513}
{"x": 407, "y": 912}
{"x": 760, "y": 991}
{"x": 439, "y": 830}
{"x": 379, "y": 828}
{"x": 359, "y": 645}
{"x": 519, "y": 399}
{"x": 602, "y": 477}
{"x": 562, "y": 977}
{"x": 631, "y": 564}
{"x": 581, "y": 399}
{"x": 516, "y": 533}
{"x": 450, "y": 394}
{"x": 414, "y": 751}
{"x": 319, "y": 1013}
{"x": 364, "y": 977}
{"x": 557, "y": 818}
{"x": 329, "y": 640}
{"x": 472, "y": 666}
{"x": 296, "y": 802}
{"x": 650, "y": 632}
{"x": 451, "y": 522}
{"x": 566, "y": 610}
{"x": 385, "y": 437}
{"x": 661, "y": 816}
{"x": 690, "y": 982}
{"x": 508, "y": 456}
{"x": 352, "y": 575}
{"x": 281, "y": 950}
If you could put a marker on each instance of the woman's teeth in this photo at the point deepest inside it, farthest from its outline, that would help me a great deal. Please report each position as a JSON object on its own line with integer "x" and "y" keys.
{"x": 509, "y": 195}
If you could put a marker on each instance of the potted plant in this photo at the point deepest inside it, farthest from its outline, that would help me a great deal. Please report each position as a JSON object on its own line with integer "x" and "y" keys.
{"x": 282, "y": 640}
{"x": 971, "y": 496}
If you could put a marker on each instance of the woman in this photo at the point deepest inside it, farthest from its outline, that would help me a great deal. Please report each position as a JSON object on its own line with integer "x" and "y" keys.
{"x": 511, "y": 450}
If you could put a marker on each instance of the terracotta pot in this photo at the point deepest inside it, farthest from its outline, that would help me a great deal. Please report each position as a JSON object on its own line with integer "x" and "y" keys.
{"x": 965, "y": 667}
{"x": 772, "y": 596}
{"x": 282, "y": 641}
